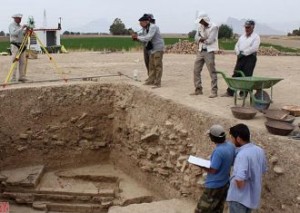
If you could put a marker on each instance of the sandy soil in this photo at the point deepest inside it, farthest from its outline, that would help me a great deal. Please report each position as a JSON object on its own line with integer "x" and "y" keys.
{"x": 291, "y": 41}
{"x": 177, "y": 81}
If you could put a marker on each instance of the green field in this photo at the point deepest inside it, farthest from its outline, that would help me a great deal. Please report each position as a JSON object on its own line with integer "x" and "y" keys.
{"x": 126, "y": 44}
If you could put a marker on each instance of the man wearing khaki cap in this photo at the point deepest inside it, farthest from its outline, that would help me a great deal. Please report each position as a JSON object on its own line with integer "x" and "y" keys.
{"x": 217, "y": 180}
{"x": 17, "y": 32}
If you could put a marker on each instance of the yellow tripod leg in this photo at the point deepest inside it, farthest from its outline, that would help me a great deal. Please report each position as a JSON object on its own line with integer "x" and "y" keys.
{"x": 51, "y": 59}
{"x": 27, "y": 56}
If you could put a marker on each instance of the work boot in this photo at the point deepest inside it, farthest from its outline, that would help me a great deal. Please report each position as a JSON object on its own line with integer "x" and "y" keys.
{"x": 148, "y": 83}
{"x": 197, "y": 92}
{"x": 23, "y": 80}
{"x": 213, "y": 95}
{"x": 156, "y": 86}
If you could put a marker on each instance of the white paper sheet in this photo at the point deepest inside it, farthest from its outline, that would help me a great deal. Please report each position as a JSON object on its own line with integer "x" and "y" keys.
{"x": 199, "y": 161}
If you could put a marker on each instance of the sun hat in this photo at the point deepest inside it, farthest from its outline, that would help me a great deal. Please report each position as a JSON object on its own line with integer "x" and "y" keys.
{"x": 17, "y": 15}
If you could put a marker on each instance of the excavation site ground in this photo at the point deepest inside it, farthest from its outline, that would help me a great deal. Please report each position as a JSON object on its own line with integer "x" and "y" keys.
{"x": 103, "y": 142}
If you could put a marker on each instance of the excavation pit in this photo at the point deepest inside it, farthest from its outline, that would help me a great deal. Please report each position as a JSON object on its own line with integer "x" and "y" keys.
{"x": 113, "y": 148}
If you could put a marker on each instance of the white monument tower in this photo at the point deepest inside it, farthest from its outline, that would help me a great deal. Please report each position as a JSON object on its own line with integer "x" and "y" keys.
{"x": 45, "y": 20}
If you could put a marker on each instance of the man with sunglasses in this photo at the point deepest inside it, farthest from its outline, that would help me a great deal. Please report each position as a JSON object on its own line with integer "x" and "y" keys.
{"x": 246, "y": 50}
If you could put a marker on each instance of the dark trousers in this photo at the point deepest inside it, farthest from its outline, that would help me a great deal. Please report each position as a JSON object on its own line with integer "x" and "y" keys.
{"x": 246, "y": 64}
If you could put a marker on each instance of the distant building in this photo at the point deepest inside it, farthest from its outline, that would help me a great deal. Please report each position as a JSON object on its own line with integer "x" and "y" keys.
{"x": 49, "y": 38}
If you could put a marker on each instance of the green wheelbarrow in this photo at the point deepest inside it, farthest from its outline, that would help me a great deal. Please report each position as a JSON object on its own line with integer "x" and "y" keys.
{"x": 261, "y": 99}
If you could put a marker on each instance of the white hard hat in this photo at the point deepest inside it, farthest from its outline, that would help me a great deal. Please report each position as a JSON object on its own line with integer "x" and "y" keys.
{"x": 17, "y": 15}
{"x": 204, "y": 16}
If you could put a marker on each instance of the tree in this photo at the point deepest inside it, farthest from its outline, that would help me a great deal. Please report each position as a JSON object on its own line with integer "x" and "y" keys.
{"x": 66, "y": 33}
{"x": 192, "y": 34}
{"x": 295, "y": 32}
{"x": 2, "y": 33}
{"x": 118, "y": 28}
{"x": 225, "y": 31}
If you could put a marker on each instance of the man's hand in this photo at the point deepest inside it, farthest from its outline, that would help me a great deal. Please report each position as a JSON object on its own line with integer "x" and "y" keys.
{"x": 134, "y": 36}
{"x": 202, "y": 40}
{"x": 241, "y": 54}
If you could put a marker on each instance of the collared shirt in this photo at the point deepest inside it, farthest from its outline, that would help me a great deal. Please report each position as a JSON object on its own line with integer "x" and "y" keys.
{"x": 249, "y": 166}
{"x": 154, "y": 36}
{"x": 247, "y": 45}
{"x": 209, "y": 33}
{"x": 16, "y": 32}
{"x": 221, "y": 159}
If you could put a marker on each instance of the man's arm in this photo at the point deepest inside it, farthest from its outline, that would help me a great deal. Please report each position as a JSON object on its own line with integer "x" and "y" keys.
{"x": 148, "y": 37}
{"x": 210, "y": 170}
{"x": 212, "y": 37}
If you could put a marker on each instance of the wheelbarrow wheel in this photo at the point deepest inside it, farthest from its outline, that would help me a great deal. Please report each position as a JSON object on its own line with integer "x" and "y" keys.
{"x": 259, "y": 105}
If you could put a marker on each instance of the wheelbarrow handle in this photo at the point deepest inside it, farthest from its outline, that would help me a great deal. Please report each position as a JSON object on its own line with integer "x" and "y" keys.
{"x": 240, "y": 72}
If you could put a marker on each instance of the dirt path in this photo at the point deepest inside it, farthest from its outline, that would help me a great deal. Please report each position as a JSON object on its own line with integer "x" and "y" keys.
{"x": 177, "y": 78}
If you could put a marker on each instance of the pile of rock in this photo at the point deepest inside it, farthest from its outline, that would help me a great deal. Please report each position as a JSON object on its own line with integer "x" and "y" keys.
{"x": 182, "y": 47}
{"x": 187, "y": 47}
{"x": 270, "y": 51}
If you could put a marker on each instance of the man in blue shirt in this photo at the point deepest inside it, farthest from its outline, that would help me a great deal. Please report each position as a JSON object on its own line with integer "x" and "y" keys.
{"x": 217, "y": 181}
{"x": 249, "y": 165}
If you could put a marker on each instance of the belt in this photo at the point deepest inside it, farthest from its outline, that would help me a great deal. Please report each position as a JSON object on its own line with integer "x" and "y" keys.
{"x": 203, "y": 50}
{"x": 18, "y": 45}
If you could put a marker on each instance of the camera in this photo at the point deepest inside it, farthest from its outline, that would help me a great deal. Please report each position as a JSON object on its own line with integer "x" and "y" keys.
{"x": 30, "y": 22}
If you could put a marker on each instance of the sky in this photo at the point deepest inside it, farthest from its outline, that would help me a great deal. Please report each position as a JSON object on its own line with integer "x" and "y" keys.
{"x": 173, "y": 16}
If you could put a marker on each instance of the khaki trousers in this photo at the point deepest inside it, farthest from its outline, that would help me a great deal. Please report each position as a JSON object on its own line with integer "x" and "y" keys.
{"x": 155, "y": 68}
{"x": 20, "y": 65}
{"x": 209, "y": 59}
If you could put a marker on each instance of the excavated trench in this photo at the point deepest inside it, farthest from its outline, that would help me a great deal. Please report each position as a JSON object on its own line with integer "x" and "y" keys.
{"x": 102, "y": 147}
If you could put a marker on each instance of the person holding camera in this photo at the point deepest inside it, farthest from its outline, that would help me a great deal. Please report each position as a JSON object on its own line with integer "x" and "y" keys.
{"x": 154, "y": 45}
{"x": 16, "y": 33}
{"x": 146, "y": 52}
{"x": 207, "y": 39}
{"x": 217, "y": 180}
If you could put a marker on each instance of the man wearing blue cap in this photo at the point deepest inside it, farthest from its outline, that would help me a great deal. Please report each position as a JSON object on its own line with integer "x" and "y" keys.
{"x": 17, "y": 32}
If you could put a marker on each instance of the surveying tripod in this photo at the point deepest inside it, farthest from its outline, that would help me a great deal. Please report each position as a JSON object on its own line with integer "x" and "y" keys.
{"x": 22, "y": 48}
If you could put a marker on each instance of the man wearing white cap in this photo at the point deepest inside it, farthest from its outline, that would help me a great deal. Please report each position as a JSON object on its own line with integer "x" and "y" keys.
{"x": 17, "y": 32}
{"x": 217, "y": 181}
{"x": 207, "y": 39}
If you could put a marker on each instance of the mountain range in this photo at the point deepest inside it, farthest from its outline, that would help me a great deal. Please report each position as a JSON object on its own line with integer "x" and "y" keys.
{"x": 102, "y": 26}
{"x": 261, "y": 29}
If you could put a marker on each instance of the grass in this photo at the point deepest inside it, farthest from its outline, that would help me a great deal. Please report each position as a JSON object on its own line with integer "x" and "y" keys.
{"x": 281, "y": 48}
{"x": 125, "y": 43}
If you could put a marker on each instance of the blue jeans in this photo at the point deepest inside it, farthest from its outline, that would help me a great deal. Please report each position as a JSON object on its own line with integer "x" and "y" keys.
{"x": 235, "y": 207}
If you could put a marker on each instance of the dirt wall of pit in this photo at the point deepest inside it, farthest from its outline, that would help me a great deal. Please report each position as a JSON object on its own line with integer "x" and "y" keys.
{"x": 157, "y": 136}
{"x": 55, "y": 126}
{"x": 147, "y": 136}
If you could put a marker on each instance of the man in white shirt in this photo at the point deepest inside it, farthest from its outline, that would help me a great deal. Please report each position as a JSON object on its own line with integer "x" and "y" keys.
{"x": 17, "y": 32}
{"x": 246, "y": 49}
{"x": 207, "y": 39}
